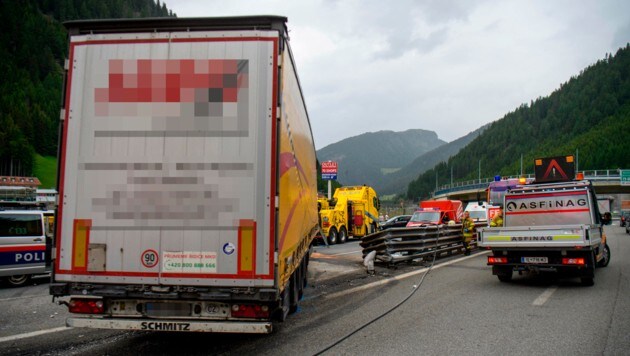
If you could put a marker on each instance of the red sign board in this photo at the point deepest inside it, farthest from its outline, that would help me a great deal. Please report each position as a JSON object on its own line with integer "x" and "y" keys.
{"x": 329, "y": 167}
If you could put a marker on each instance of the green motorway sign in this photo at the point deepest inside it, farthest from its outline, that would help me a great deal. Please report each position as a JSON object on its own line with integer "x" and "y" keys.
{"x": 625, "y": 176}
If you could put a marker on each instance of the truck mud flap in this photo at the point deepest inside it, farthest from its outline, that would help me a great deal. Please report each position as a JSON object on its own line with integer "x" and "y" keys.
{"x": 258, "y": 327}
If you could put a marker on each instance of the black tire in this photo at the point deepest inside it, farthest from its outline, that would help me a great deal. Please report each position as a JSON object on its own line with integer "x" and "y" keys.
{"x": 343, "y": 235}
{"x": 587, "y": 281}
{"x": 302, "y": 278}
{"x": 18, "y": 280}
{"x": 332, "y": 236}
{"x": 294, "y": 291}
{"x": 605, "y": 258}
{"x": 373, "y": 228}
{"x": 505, "y": 274}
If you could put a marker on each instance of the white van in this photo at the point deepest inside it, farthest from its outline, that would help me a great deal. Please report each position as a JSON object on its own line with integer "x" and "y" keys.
{"x": 25, "y": 244}
{"x": 478, "y": 211}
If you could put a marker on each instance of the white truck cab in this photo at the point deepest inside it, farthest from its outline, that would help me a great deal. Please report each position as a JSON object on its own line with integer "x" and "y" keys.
{"x": 550, "y": 226}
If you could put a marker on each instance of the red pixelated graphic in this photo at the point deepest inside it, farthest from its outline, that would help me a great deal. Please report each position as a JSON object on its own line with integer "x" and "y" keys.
{"x": 146, "y": 81}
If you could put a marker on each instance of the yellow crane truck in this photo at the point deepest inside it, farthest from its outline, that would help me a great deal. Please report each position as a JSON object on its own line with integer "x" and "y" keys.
{"x": 353, "y": 212}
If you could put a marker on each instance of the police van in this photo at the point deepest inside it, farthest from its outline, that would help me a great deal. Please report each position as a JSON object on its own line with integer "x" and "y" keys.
{"x": 25, "y": 243}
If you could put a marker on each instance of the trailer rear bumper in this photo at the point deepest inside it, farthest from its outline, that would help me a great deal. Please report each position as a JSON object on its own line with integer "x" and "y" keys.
{"x": 254, "y": 327}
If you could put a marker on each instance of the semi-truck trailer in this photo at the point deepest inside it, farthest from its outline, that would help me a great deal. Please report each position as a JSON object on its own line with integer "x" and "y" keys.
{"x": 187, "y": 184}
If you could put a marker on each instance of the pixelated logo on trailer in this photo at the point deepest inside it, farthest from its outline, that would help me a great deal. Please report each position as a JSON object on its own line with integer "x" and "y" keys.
{"x": 181, "y": 95}
{"x": 173, "y": 80}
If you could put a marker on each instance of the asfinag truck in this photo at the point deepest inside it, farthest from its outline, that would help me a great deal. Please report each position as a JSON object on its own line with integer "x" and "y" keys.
{"x": 187, "y": 189}
{"x": 550, "y": 225}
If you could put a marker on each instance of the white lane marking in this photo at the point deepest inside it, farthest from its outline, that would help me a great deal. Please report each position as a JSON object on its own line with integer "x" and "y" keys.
{"x": 397, "y": 278}
{"x": 34, "y": 333}
{"x": 542, "y": 298}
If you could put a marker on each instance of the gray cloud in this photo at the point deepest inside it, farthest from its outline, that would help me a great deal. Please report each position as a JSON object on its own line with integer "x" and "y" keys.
{"x": 445, "y": 66}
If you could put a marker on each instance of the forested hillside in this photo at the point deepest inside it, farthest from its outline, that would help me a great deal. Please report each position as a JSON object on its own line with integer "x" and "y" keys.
{"x": 397, "y": 182}
{"x": 589, "y": 113}
{"x": 367, "y": 158}
{"x": 32, "y": 52}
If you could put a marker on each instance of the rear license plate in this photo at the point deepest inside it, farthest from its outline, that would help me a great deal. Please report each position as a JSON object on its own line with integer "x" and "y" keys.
{"x": 534, "y": 260}
{"x": 167, "y": 309}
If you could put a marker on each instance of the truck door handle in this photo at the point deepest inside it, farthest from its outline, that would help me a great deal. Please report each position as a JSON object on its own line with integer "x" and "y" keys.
{"x": 39, "y": 239}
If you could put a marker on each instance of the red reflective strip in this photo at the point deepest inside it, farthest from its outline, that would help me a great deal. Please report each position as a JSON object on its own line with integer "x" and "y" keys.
{"x": 23, "y": 248}
{"x": 546, "y": 195}
{"x": 548, "y": 212}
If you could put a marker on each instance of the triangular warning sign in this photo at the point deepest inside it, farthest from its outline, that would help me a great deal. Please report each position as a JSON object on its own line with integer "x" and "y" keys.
{"x": 554, "y": 169}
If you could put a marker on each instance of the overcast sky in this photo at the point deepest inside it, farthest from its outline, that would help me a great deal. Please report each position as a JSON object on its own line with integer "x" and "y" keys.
{"x": 444, "y": 66}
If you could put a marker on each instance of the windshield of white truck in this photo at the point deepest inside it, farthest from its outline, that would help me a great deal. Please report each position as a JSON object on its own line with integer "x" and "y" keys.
{"x": 477, "y": 214}
{"x": 548, "y": 208}
{"x": 15, "y": 225}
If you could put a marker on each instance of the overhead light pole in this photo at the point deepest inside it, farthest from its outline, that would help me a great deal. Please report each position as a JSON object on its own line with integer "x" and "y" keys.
{"x": 436, "y": 179}
{"x": 480, "y": 171}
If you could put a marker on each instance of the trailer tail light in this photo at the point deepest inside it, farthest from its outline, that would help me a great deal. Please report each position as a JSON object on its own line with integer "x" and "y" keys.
{"x": 86, "y": 306}
{"x": 573, "y": 261}
{"x": 325, "y": 224}
{"x": 493, "y": 260}
{"x": 250, "y": 311}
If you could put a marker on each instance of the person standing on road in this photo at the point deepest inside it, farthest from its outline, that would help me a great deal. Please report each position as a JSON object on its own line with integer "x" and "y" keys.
{"x": 468, "y": 226}
{"x": 497, "y": 220}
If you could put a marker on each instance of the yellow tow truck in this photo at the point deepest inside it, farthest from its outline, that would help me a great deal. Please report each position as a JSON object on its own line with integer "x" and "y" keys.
{"x": 352, "y": 212}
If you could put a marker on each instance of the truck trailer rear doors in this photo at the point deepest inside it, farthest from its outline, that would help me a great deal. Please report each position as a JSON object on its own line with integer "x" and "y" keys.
{"x": 168, "y": 175}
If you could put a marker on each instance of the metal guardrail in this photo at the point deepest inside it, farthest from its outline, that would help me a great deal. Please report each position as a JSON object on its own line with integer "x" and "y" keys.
{"x": 611, "y": 175}
{"x": 405, "y": 244}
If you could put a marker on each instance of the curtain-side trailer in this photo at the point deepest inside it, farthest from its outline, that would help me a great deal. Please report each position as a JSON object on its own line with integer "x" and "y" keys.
{"x": 187, "y": 184}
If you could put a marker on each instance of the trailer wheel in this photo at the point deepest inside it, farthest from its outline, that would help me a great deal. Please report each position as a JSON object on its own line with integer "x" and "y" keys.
{"x": 18, "y": 280}
{"x": 306, "y": 260}
{"x": 294, "y": 292}
{"x": 302, "y": 278}
{"x": 332, "y": 236}
{"x": 343, "y": 235}
{"x": 605, "y": 257}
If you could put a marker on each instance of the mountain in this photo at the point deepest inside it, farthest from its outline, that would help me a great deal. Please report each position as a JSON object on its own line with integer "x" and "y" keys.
{"x": 364, "y": 159}
{"x": 589, "y": 114}
{"x": 397, "y": 182}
